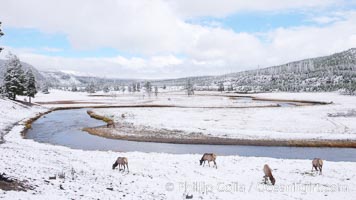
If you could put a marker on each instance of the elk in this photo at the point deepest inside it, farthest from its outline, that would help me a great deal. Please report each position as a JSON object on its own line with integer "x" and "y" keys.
{"x": 208, "y": 157}
{"x": 268, "y": 174}
{"x": 121, "y": 161}
{"x": 317, "y": 164}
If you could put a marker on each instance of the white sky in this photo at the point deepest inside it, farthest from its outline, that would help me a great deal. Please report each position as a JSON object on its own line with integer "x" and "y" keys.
{"x": 166, "y": 38}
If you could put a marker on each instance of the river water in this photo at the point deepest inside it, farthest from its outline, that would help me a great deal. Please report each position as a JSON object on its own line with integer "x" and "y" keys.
{"x": 63, "y": 127}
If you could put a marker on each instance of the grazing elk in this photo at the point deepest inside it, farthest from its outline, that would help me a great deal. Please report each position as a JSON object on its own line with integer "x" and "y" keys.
{"x": 110, "y": 124}
{"x": 317, "y": 164}
{"x": 121, "y": 161}
{"x": 268, "y": 174}
{"x": 208, "y": 157}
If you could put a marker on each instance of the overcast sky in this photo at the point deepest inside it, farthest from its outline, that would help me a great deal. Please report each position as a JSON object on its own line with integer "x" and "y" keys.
{"x": 173, "y": 38}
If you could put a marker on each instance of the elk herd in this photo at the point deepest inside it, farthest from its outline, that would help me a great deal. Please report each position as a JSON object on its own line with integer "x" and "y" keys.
{"x": 317, "y": 164}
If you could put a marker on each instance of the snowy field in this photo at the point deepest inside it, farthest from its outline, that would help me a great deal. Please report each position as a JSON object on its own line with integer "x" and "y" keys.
{"x": 301, "y": 122}
{"x": 59, "y": 98}
{"x": 88, "y": 174}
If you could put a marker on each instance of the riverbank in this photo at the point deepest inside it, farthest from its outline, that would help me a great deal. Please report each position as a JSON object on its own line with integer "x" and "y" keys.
{"x": 321, "y": 124}
{"x": 56, "y": 172}
{"x": 88, "y": 175}
{"x": 263, "y": 124}
{"x": 130, "y": 132}
{"x": 126, "y": 132}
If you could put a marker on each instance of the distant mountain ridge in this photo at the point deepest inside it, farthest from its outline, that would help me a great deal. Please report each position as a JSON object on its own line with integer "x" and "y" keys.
{"x": 327, "y": 73}
{"x": 58, "y": 79}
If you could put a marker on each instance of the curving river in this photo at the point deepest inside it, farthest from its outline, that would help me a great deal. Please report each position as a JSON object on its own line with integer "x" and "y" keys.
{"x": 63, "y": 127}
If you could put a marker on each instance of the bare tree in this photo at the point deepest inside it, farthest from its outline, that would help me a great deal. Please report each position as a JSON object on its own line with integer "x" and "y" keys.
{"x": 189, "y": 88}
{"x": 156, "y": 91}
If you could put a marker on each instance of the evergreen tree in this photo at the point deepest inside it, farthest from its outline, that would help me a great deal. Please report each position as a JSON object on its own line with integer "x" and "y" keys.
{"x": 123, "y": 89}
{"x": 134, "y": 87}
{"x": 138, "y": 87}
{"x": 90, "y": 87}
{"x": 189, "y": 87}
{"x": 106, "y": 89}
{"x": 45, "y": 89}
{"x": 31, "y": 90}
{"x": 230, "y": 88}
{"x": 148, "y": 88}
{"x": 74, "y": 88}
{"x": 221, "y": 87}
{"x": 14, "y": 77}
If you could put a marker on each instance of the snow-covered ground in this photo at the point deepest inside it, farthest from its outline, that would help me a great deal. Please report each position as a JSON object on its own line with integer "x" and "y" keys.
{"x": 301, "y": 122}
{"x": 88, "y": 174}
{"x": 58, "y": 98}
{"x": 11, "y": 112}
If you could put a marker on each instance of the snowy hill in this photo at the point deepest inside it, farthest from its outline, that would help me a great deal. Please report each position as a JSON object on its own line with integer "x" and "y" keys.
{"x": 63, "y": 79}
{"x": 328, "y": 73}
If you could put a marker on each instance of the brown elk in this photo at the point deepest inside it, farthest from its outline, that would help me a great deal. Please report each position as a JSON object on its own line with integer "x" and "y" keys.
{"x": 208, "y": 157}
{"x": 317, "y": 164}
{"x": 110, "y": 124}
{"x": 268, "y": 174}
{"x": 121, "y": 162}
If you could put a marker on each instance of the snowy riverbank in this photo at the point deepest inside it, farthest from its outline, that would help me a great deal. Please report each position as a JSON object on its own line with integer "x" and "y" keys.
{"x": 88, "y": 174}
{"x": 269, "y": 123}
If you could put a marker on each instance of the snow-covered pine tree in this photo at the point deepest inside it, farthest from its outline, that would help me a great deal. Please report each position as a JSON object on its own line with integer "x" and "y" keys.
{"x": 90, "y": 88}
{"x": 189, "y": 87}
{"x": 148, "y": 88}
{"x": 138, "y": 87}
{"x": 14, "y": 77}
{"x": 134, "y": 87}
{"x": 74, "y": 88}
{"x": 30, "y": 85}
{"x": 230, "y": 88}
{"x": 106, "y": 89}
{"x": 123, "y": 89}
{"x": 45, "y": 89}
{"x": 221, "y": 87}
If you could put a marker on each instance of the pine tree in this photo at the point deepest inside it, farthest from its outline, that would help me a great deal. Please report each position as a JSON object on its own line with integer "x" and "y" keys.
{"x": 106, "y": 89}
{"x": 148, "y": 88}
{"x": 45, "y": 89}
{"x": 138, "y": 87}
{"x": 189, "y": 87}
{"x": 14, "y": 77}
{"x": 91, "y": 87}
{"x": 230, "y": 88}
{"x": 221, "y": 87}
{"x": 31, "y": 90}
{"x": 74, "y": 88}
